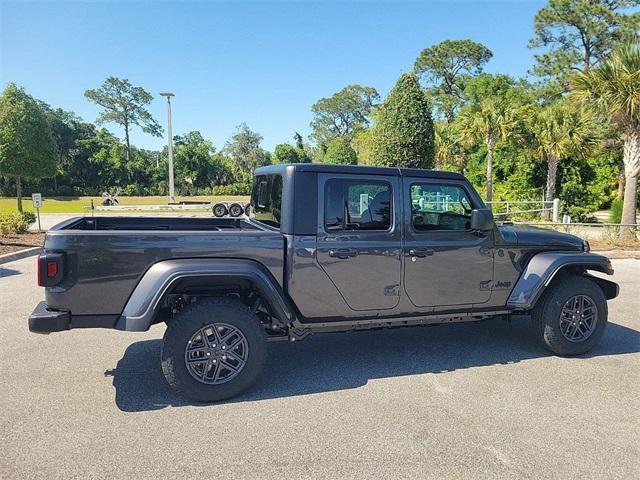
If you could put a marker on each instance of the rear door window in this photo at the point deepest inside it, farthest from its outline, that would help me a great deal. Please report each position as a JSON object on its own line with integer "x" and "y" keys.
{"x": 357, "y": 205}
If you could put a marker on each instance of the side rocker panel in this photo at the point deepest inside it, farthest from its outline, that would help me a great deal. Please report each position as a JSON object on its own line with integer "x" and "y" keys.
{"x": 543, "y": 267}
{"x": 140, "y": 308}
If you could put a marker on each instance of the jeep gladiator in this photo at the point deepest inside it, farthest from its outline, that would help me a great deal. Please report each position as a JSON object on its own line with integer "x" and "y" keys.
{"x": 326, "y": 248}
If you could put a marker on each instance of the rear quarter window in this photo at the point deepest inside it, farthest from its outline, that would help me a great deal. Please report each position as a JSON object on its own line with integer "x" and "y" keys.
{"x": 266, "y": 199}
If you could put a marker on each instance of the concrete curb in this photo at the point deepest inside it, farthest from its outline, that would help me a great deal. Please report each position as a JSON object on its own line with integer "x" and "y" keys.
{"x": 27, "y": 252}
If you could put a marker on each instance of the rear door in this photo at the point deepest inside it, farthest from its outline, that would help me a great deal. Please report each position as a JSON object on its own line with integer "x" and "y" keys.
{"x": 359, "y": 242}
{"x": 446, "y": 263}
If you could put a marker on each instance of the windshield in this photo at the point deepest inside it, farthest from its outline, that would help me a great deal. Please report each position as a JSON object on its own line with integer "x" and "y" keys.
{"x": 266, "y": 199}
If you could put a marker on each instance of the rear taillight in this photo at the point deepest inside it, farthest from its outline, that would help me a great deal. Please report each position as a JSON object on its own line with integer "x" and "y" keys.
{"x": 50, "y": 269}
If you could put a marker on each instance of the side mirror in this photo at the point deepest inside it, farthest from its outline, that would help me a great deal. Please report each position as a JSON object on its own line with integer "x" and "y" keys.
{"x": 481, "y": 219}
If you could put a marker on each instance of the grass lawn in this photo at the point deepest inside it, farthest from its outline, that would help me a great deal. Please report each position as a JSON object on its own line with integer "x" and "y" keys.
{"x": 82, "y": 204}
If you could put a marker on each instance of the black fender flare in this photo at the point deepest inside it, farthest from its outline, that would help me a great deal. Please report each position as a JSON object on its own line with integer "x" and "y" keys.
{"x": 543, "y": 267}
{"x": 140, "y": 309}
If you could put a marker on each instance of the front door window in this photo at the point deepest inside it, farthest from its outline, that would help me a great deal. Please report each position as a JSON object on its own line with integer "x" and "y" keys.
{"x": 446, "y": 263}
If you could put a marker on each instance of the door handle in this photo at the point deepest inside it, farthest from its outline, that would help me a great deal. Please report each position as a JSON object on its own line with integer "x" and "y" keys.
{"x": 343, "y": 253}
{"x": 421, "y": 252}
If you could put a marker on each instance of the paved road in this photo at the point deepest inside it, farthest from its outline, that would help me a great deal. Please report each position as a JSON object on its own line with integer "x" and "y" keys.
{"x": 457, "y": 401}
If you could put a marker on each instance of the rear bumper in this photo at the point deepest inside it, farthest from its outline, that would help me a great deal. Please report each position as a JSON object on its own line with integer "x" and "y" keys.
{"x": 42, "y": 320}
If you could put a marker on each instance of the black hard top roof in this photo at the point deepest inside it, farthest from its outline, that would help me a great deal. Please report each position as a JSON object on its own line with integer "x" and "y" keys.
{"x": 358, "y": 169}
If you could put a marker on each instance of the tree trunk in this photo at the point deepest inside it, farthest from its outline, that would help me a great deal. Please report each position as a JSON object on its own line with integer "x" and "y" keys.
{"x": 491, "y": 145}
{"x": 552, "y": 172}
{"x": 450, "y": 115}
{"x": 19, "y": 193}
{"x": 621, "y": 182}
{"x": 631, "y": 157}
{"x": 126, "y": 139}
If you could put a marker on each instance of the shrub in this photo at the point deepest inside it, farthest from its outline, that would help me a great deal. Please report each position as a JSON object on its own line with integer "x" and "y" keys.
{"x": 616, "y": 211}
{"x": 12, "y": 223}
{"x": 233, "y": 189}
{"x": 29, "y": 217}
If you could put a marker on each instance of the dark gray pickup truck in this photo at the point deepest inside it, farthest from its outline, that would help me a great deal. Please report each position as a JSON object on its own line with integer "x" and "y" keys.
{"x": 327, "y": 248}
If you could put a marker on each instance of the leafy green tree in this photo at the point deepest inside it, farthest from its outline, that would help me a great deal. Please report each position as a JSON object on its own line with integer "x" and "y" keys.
{"x": 339, "y": 151}
{"x": 445, "y": 67}
{"x": 342, "y": 114}
{"x": 98, "y": 165}
{"x": 286, "y": 153}
{"x": 244, "y": 149}
{"x": 67, "y": 129}
{"x": 491, "y": 116}
{"x": 193, "y": 160}
{"x": 362, "y": 144}
{"x": 613, "y": 88}
{"x": 125, "y": 105}
{"x": 137, "y": 171}
{"x": 87, "y": 169}
{"x": 27, "y": 148}
{"x": 498, "y": 85}
{"x": 577, "y": 34}
{"x": 227, "y": 171}
{"x": 560, "y": 130}
{"x": 403, "y": 132}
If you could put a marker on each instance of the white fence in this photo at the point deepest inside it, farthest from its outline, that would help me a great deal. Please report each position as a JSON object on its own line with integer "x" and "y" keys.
{"x": 543, "y": 210}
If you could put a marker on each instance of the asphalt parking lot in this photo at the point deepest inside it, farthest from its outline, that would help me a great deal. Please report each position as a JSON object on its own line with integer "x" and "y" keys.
{"x": 457, "y": 401}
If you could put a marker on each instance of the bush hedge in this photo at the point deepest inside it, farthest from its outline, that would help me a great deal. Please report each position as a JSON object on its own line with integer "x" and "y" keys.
{"x": 13, "y": 223}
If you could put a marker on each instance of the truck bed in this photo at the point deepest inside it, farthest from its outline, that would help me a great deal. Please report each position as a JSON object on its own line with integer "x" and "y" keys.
{"x": 107, "y": 256}
{"x": 156, "y": 223}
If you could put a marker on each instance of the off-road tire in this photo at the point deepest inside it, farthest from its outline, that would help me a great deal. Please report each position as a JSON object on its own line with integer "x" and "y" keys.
{"x": 187, "y": 323}
{"x": 546, "y": 314}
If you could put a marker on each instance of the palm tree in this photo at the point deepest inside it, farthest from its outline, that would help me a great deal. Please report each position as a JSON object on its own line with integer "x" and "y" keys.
{"x": 490, "y": 120}
{"x": 448, "y": 149}
{"x": 613, "y": 88}
{"x": 560, "y": 130}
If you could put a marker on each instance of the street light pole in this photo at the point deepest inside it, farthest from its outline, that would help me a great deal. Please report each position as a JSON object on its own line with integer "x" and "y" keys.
{"x": 172, "y": 196}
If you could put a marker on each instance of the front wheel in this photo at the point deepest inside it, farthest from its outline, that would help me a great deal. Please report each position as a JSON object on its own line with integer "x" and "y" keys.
{"x": 215, "y": 349}
{"x": 571, "y": 316}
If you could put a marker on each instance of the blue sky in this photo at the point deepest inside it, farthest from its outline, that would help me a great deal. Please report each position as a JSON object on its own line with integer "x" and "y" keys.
{"x": 261, "y": 63}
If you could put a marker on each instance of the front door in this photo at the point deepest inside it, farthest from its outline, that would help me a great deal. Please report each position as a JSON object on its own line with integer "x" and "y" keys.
{"x": 359, "y": 239}
{"x": 446, "y": 263}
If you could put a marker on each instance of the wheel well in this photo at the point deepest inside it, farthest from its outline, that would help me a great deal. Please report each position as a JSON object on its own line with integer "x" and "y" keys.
{"x": 609, "y": 288}
{"x": 190, "y": 289}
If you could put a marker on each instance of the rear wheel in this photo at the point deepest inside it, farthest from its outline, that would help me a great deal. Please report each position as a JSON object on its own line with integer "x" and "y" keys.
{"x": 571, "y": 316}
{"x": 215, "y": 349}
